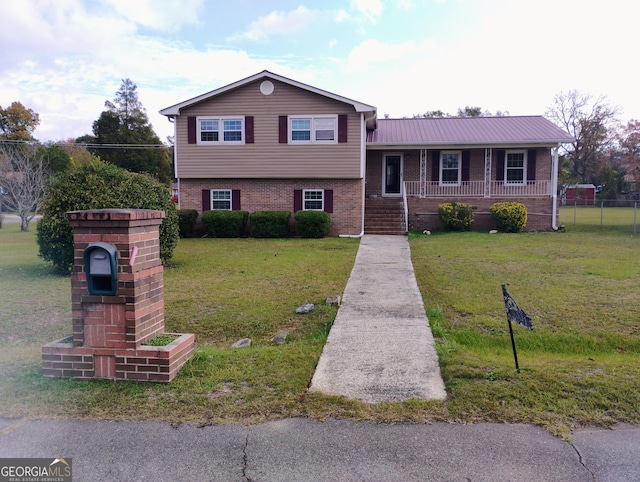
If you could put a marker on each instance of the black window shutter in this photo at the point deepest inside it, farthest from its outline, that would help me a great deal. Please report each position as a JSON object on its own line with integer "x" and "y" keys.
{"x": 283, "y": 127}
{"x": 191, "y": 130}
{"x": 248, "y": 129}
{"x": 466, "y": 165}
{"x": 500, "y": 165}
{"x": 235, "y": 200}
{"x": 342, "y": 128}
{"x": 435, "y": 165}
{"x": 297, "y": 200}
{"x": 531, "y": 165}
{"x": 206, "y": 200}
{"x": 328, "y": 200}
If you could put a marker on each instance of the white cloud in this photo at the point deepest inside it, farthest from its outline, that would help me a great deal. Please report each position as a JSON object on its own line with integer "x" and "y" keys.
{"x": 373, "y": 54}
{"x": 371, "y": 9}
{"x": 165, "y": 15}
{"x": 278, "y": 23}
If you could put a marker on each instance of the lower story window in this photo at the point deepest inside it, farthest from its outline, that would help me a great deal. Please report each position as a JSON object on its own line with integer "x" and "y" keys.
{"x": 450, "y": 168}
{"x": 515, "y": 165}
{"x": 313, "y": 200}
{"x": 221, "y": 199}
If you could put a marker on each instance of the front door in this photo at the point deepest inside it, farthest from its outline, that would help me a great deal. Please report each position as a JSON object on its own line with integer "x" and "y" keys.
{"x": 392, "y": 175}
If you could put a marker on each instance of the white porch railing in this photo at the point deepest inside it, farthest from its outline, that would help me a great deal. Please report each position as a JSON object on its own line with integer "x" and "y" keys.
{"x": 477, "y": 189}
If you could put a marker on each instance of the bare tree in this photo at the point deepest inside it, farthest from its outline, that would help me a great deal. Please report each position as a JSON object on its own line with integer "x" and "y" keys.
{"x": 592, "y": 123}
{"x": 23, "y": 175}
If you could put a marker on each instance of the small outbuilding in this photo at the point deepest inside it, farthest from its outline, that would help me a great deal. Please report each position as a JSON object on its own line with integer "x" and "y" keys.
{"x": 580, "y": 194}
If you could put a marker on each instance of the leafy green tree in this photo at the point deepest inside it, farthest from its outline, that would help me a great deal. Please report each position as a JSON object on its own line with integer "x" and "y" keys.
{"x": 125, "y": 124}
{"x": 99, "y": 185}
{"x": 17, "y": 123}
{"x": 58, "y": 159}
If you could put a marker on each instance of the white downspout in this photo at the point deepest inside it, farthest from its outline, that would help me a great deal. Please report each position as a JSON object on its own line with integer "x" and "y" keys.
{"x": 554, "y": 188}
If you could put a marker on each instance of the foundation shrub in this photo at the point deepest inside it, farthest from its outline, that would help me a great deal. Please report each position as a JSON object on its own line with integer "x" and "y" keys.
{"x": 224, "y": 224}
{"x": 313, "y": 224}
{"x": 269, "y": 224}
{"x": 187, "y": 222}
{"x": 456, "y": 216}
{"x": 99, "y": 185}
{"x": 511, "y": 216}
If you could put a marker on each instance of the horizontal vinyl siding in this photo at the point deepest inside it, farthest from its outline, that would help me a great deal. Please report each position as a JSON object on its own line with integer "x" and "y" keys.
{"x": 266, "y": 157}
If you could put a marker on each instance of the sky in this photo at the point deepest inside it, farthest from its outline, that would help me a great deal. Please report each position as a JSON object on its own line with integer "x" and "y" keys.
{"x": 65, "y": 58}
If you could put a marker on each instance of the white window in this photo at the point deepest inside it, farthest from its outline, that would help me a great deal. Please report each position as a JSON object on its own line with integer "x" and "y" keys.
{"x": 313, "y": 200}
{"x": 515, "y": 167}
{"x": 313, "y": 129}
{"x": 221, "y": 199}
{"x": 450, "y": 168}
{"x": 218, "y": 130}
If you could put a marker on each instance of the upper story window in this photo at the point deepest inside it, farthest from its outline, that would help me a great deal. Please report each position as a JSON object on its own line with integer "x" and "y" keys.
{"x": 515, "y": 167}
{"x": 212, "y": 130}
{"x": 313, "y": 199}
{"x": 450, "y": 168}
{"x": 313, "y": 129}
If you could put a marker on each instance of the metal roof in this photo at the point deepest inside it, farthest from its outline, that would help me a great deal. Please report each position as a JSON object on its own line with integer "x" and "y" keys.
{"x": 466, "y": 131}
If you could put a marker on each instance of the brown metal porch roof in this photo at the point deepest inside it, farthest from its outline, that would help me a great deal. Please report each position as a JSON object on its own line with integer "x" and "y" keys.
{"x": 466, "y": 131}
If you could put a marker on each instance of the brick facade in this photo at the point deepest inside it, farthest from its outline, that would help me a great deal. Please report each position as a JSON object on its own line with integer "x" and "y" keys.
{"x": 108, "y": 330}
{"x": 423, "y": 212}
{"x": 277, "y": 195}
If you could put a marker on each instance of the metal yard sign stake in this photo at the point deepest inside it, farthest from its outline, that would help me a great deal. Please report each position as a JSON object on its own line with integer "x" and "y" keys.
{"x": 517, "y": 314}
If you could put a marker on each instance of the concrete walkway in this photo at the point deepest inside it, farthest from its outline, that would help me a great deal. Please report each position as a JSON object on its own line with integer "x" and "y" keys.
{"x": 380, "y": 348}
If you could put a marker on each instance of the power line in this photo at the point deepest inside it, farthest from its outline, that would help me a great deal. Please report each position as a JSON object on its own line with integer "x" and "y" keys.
{"x": 88, "y": 145}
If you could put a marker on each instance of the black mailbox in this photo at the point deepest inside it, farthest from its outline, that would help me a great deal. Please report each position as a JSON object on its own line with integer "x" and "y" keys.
{"x": 101, "y": 268}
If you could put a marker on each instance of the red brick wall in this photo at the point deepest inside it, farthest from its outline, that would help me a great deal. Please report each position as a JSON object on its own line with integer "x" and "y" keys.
{"x": 423, "y": 213}
{"x": 108, "y": 330}
{"x": 277, "y": 195}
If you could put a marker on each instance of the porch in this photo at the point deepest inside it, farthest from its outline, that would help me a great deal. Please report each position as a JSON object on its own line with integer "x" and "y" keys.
{"x": 476, "y": 189}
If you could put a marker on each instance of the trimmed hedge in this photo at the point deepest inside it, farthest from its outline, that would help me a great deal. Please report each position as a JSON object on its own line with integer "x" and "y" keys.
{"x": 269, "y": 224}
{"x": 510, "y": 215}
{"x": 456, "y": 216}
{"x": 99, "y": 185}
{"x": 313, "y": 224}
{"x": 187, "y": 222}
{"x": 224, "y": 224}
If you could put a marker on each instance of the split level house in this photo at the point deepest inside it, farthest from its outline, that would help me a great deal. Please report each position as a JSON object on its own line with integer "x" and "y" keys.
{"x": 268, "y": 142}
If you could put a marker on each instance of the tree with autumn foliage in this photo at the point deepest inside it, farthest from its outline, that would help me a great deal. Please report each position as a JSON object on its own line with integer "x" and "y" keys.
{"x": 592, "y": 123}
{"x": 17, "y": 123}
{"x": 629, "y": 145}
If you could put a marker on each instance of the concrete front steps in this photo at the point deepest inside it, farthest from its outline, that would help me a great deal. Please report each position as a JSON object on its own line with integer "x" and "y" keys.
{"x": 384, "y": 215}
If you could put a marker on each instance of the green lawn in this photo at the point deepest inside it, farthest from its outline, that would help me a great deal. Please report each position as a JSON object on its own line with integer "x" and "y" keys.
{"x": 579, "y": 365}
{"x": 622, "y": 218}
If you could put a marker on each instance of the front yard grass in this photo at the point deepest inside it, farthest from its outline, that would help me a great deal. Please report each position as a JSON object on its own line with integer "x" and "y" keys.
{"x": 579, "y": 366}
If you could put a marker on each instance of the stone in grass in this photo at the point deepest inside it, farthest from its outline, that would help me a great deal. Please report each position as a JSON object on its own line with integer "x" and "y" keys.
{"x": 280, "y": 338}
{"x": 245, "y": 342}
{"x": 333, "y": 300}
{"x": 301, "y": 310}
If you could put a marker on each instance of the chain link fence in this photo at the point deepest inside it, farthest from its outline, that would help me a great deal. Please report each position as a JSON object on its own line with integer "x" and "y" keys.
{"x": 614, "y": 214}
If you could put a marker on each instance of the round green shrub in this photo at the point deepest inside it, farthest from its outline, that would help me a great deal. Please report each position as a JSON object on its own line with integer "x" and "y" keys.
{"x": 456, "y": 216}
{"x": 269, "y": 224}
{"x": 510, "y": 215}
{"x": 224, "y": 224}
{"x": 187, "y": 222}
{"x": 313, "y": 224}
{"x": 98, "y": 185}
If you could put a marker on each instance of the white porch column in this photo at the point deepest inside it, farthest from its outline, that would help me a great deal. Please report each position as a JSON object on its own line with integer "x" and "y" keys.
{"x": 423, "y": 173}
{"x": 488, "y": 152}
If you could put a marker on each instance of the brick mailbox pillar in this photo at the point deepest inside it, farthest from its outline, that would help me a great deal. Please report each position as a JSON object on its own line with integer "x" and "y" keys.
{"x": 115, "y": 313}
